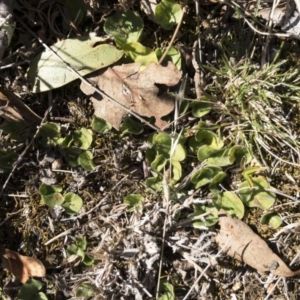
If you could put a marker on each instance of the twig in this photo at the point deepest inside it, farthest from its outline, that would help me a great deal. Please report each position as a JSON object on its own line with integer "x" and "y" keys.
{"x": 59, "y": 236}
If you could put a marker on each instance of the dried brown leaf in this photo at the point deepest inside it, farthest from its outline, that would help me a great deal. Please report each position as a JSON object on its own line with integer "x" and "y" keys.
{"x": 22, "y": 267}
{"x": 135, "y": 90}
{"x": 239, "y": 241}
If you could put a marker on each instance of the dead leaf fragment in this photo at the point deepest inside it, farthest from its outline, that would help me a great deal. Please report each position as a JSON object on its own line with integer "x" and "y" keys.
{"x": 22, "y": 267}
{"x": 138, "y": 91}
{"x": 14, "y": 109}
{"x": 239, "y": 241}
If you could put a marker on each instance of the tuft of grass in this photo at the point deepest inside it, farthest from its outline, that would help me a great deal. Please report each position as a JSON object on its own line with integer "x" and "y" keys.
{"x": 257, "y": 103}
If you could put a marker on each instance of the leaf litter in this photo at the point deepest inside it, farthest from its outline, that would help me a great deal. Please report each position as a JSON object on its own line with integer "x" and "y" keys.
{"x": 22, "y": 267}
{"x": 239, "y": 241}
{"x": 136, "y": 90}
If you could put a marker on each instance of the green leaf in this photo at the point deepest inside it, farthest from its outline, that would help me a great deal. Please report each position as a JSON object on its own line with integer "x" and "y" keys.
{"x": 209, "y": 138}
{"x": 50, "y": 194}
{"x": 216, "y": 157}
{"x": 83, "y": 54}
{"x": 154, "y": 183}
{"x": 168, "y": 13}
{"x": 88, "y": 260}
{"x": 131, "y": 126}
{"x": 177, "y": 170}
{"x": 85, "y": 290}
{"x": 194, "y": 145}
{"x": 150, "y": 155}
{"x": 134, "y": 201}
{"x": 173, "y": 55}
{"x": 205, "y": 175}
{"x": 7, "y": 159}
{"x": 166, "y": 290}
{"x": 238, "y": 153}
{"x": 231, "y": 203}
{"x": 139, "y": 53}
{"x": 271, "y": 219}
{"x": 85, "y": 159}
{"x": 31, "y": 290}
{"x": 83, "y": 138}
{"x": 81, "y": 242}
{"x": 45, "y": 189}
{"x": 53, "y": 199}
{"x": 179, "y": 153}
{"x": 213, "y": 185}
{"x": 125, "y": 27}
{"x": 72, "y": 249}
{"x": 257, "y": 196}
{"x": 72, "y": 203}
{"x": 162, "y": 143}
{"x": 100, "y": 125}
{"x": 49, "y": 134}
{"x": 208, "y": 220}
{"x": 159, "y": 163}
{"x": 200, "y": 109}
{"x": 71, "y": 156}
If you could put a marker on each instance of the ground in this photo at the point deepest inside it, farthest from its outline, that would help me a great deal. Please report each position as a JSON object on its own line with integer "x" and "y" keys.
{"x": 148, "y": 223}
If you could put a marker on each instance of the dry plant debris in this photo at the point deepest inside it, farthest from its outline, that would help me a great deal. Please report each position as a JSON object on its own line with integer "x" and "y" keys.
{"x": 239, "y": 241}
{"x": 136, "y": 90}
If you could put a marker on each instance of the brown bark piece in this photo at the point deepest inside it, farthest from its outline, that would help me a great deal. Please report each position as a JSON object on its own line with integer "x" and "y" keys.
{"x": 22, "y": 267}
{"x": 239, "y": 241}
{"x": 135, "y": 90}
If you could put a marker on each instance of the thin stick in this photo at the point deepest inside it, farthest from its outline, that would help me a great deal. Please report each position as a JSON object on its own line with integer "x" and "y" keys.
{"x": 59, "y": 236}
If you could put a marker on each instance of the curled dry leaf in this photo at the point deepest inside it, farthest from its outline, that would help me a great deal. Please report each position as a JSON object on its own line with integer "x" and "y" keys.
{"x": 22, "y": 267}
{"x": 239, "y": 241}
{"x": 138, "y": 91}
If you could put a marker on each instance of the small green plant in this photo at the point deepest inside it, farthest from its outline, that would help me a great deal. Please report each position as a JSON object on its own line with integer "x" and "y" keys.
{"x": 78, "y": 249}
{"x": 86, "y": 290}
{"x": 127, "y": 28}
{"x": 74, "y": 146}
{"x": 32, "y": 289}
{"x": 134, "y": 202}
{"x": 166, "y": 290}
{"x": 51, "y": 196}
{"x": 165, "y": 149}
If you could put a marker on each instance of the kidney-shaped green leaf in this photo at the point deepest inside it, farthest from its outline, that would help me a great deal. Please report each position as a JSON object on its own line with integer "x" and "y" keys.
{"x": 85, "y": 55}
{"x": 168, "y": 13}
{"x": 231, "y": 203}
{"x": 125, "y": 27}
{"x": 72, "y": 204}
{"x": 257, "y": 195}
